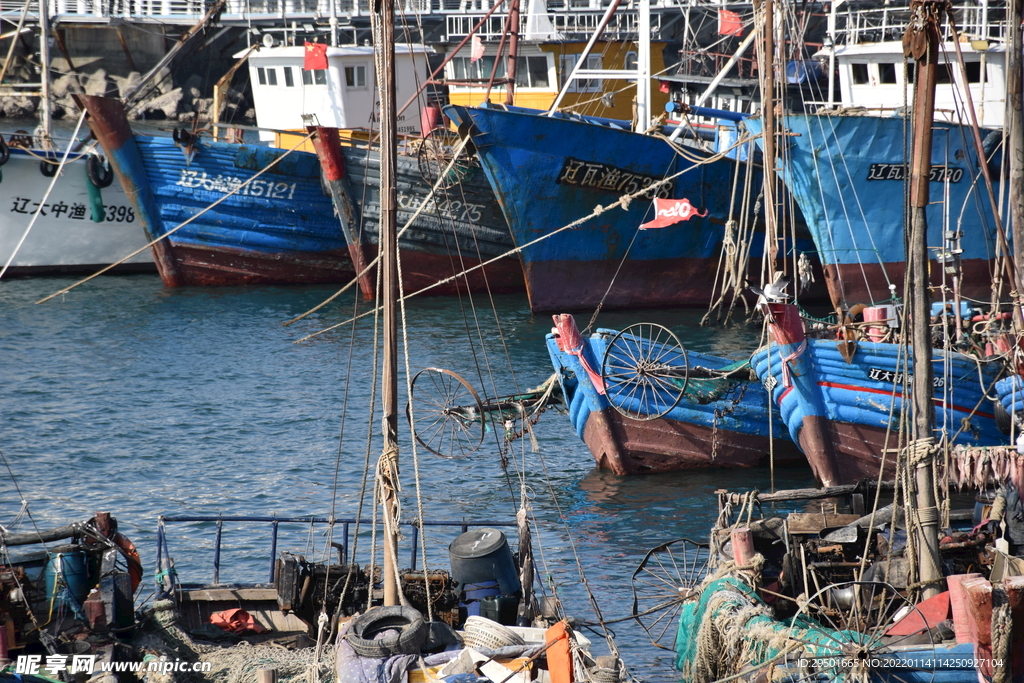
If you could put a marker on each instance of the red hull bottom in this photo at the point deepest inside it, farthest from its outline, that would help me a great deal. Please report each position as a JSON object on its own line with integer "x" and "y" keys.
{"x": 857, "y": 449}
{"x": 561, "y": 286}
{"x": 627, "y": 446}
{"x": 867, "y": 284}
{"x": 218, "y": 266}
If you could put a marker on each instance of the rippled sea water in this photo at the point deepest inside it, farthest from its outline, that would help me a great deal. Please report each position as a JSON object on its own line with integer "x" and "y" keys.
{"x": 125, "y": 396}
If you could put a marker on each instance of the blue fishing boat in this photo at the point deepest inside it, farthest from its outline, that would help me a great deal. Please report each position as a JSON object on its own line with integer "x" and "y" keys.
{"x": 551, "y": 171}
{"x": 643, "y": 404}
{"x": 847, "y": 172}
{"x": 218, "y": 223}
{"x": 843, "y": 401}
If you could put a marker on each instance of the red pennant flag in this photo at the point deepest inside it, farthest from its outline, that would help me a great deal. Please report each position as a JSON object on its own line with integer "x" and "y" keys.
{"x": 670, "y": 211}
{"x": 729, "y": 23}
{"x": 316, "y": 57}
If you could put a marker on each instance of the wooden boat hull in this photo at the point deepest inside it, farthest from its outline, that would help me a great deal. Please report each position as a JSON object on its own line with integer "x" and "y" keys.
{"x": 66, "y": 237}
{"x": 281, "y": 228}
{"x": 627, "y": 446}
{"x": 725, "y": 426}
{"x": 549, "y": 172}
{"x": 839, "y": 411}
{"x": 846, "y": 174}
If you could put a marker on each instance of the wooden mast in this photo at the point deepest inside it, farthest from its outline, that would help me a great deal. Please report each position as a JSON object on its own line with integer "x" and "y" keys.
{"x": 1014, "y": 127}
{"x": 921, "y": 42}
{"x": 768, "y": 110}
{"x": 383, "y": 12}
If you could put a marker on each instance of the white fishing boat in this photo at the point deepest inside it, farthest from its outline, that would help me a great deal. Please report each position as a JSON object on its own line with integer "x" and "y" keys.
{"x": 77, "y": 227}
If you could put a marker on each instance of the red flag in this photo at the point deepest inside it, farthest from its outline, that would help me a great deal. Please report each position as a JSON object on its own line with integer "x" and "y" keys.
{"x": 316, "y": 57}
{"x": 729, "y": 23}
{"x": 477, "y": 50}
{"x": 669, "y": 211}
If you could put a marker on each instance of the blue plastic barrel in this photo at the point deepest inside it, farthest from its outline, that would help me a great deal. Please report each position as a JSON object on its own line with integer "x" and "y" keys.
{"x": 72, "y": 571}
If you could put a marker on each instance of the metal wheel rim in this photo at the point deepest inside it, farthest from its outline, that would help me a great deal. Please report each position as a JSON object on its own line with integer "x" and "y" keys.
{"x": 634, "y": 368}
{"x": 445, "y": 415}
{"x": 864, "y": 651}
{"x": 668, "y": 575}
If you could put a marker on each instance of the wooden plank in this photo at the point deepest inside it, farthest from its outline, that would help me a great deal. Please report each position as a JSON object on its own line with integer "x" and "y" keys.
{"x": 218, "y": 594}
{"x": 814, "y": 522}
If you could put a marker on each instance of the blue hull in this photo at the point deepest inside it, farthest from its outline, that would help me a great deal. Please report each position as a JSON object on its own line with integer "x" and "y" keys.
{"x": 720, "y": 420}
{"x": 846, "y": 174}
{"x": 548, "y": 172}
{"x": 281, "y": 227}
{"x": 845, "y": 415}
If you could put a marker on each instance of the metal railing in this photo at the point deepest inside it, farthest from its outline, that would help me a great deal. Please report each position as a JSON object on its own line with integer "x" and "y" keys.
{"x": 163, "y": 551}
{"x": 855, "y": 24}
{"x": 569, "y": 17}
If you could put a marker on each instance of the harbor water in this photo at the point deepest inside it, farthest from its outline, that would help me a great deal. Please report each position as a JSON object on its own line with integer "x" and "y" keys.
{"x": 128, "y": 397}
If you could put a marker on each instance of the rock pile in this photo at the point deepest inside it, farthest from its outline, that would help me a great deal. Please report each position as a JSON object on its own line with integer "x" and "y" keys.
{"x": 161, "y": 100}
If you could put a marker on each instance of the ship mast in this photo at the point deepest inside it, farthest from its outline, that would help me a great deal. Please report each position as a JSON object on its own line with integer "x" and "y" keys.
{"x": 1014, "y": 129}
{"x": 921, "y": 42}
{"x": 383, "y": 14}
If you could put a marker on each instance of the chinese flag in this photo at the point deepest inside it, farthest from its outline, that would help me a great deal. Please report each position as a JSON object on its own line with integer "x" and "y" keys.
{"x": 316, "y": 57}
{"x": 729, "y": 23}
{"x": 669, "y": 211}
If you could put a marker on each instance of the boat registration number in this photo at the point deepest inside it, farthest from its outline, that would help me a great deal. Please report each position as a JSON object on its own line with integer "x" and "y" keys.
{"x": 270, "y": 189}
{"x": 939, "y": 174}
{"x": 593, "y": 175}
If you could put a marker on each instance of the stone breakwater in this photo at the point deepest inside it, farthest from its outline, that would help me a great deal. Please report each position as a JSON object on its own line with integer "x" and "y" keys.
{"x": 161, "y": 100}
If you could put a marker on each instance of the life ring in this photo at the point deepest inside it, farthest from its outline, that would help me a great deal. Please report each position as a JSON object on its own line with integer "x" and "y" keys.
{"x": 131, "y": 555}
{"x": 412, "y": 632}
{"x": 100, "y": 173}
{"x": 48, "y": 168}
{"x": 5, "y": 151}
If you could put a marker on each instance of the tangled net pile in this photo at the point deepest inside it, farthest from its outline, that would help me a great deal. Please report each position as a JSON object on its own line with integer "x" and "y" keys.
{"x": 231, "y": 663}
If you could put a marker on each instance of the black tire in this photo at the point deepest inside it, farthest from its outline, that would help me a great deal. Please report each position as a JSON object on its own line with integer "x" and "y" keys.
{"x": 1004, "y": 421}
{"x": 100, "y": 174}
{"x": 412, "y": 632}
{"x": 5, "y": 151}
{"x": 48, "y": 168}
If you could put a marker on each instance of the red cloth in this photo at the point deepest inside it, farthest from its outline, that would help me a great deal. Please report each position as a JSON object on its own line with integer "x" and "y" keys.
{"x": 316, "y": 57}
{"x": 476, "y": 49}
{"x": 236, "y": 621}
{"x": 928, "y": 613}
{"x": 669, "y": 211}
{"x": 729, "y": 23}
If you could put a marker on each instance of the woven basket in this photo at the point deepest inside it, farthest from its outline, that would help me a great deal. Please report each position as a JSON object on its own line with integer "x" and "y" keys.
{"x": 484, "y": 633}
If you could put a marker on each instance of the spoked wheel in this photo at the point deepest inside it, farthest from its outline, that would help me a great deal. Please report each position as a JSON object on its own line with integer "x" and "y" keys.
{"x": 668, "y": 576}
{"x": 445, "y": 413}
{"x": 645, "y": 371}
{"x": 853, "y": 632}
{"x": 435, "y": 156}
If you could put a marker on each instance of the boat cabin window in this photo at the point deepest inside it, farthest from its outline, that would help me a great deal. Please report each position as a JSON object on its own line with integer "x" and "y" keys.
{"x": 859, "y": 73}
{"x": 261, "y": 75}
{"x": 355, "y": 76}
{"x": 466, "y": 70}
{"x": 944, "y": 73}
{"x": 581, "y": 84}
{"x": 974, "y": 74}
{"x": 318, "y": 77}
{"x": 887, "y": 73}
{"x": 630, "y": 64}
{"x": 289, "y": 81}
{"x": 532, "y": 72}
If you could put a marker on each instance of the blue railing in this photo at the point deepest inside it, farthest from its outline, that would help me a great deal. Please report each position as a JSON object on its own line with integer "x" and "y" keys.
{"x": 162, "y": 550}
